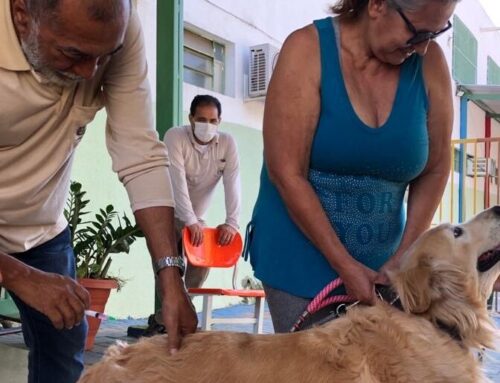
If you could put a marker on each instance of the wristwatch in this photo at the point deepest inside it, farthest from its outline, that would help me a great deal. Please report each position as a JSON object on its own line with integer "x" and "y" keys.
{"x": 170, "y": 261}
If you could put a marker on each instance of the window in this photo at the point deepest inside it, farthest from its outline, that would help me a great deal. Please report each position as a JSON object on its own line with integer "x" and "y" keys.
{"x": 493, "y": 72}
{"x": 464, "y": 53}
{"x": 204, "y": 62}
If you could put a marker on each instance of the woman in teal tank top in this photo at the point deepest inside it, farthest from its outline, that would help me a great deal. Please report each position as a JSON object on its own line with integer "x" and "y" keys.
{"x": 358, "y": 109}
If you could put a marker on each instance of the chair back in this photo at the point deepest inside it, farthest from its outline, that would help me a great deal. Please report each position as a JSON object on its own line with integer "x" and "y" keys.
{"x": 210, "y": 253}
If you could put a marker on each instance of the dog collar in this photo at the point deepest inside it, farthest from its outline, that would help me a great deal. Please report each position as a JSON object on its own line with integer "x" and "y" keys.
{"x": 452, "y": 331}
{"x": 387, "y": 294}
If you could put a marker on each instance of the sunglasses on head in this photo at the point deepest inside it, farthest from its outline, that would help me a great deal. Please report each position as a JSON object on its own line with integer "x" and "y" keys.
{"x": 420, "y": 36}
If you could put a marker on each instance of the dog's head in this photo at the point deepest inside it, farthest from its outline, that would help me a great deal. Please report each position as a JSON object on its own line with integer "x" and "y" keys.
{"x": 448, "y": 274}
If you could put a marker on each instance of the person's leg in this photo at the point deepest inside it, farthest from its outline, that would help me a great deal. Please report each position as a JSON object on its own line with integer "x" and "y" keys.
{"x": 55, "y": 356}
{"x": 195, "y": 275}
{"x": 284, "y": 308}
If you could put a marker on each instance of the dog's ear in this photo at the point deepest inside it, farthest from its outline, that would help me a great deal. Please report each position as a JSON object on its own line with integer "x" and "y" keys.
{"x": 413, "y": 285}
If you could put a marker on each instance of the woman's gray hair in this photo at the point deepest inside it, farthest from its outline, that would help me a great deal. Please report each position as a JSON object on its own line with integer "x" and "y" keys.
{"x": 351, "y": 9}
{"x": 412, "y": 5}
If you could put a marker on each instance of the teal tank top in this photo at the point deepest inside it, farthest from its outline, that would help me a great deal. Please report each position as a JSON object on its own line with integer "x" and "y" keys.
{"x": 359, "y": 173}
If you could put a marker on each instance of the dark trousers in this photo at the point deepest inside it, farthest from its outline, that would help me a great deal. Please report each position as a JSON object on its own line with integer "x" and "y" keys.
{"x": 284, "y": 308}
{"x": 55, "y": 356}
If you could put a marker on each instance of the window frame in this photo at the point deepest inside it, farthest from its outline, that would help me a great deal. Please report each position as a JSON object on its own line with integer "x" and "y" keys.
{"x": 218, "y": 67}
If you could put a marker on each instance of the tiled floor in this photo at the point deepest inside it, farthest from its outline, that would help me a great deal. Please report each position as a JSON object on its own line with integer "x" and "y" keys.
{"x": 13, "y": 352}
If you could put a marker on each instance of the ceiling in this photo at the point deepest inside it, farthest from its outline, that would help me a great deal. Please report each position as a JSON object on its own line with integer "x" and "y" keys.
{"x": 487, "y": 97}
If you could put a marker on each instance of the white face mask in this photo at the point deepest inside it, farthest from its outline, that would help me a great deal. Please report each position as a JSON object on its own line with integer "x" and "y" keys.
{"x": 204, "y": 131}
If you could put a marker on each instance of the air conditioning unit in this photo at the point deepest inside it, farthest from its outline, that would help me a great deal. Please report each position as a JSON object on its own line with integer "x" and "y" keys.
{"x": 262, "y": 61}
{"x": 480, "y": 165}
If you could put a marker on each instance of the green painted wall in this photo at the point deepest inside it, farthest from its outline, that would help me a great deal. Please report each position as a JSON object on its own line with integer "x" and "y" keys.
{"x": 493, "y": 72}
{"x": 464, "y": 66}
{"x": 92, "y": 168}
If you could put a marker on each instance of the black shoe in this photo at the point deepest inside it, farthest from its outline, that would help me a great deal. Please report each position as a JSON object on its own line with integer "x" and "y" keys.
{"x": 154, "y": 328}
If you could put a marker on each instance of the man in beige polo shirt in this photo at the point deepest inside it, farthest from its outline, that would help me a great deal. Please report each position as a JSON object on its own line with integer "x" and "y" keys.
{"x": 60, "y": 62}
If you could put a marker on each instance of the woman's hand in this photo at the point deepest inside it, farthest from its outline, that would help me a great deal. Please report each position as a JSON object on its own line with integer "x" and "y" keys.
{"x": 383, "y": 277}
{"x": 359, "y": 282}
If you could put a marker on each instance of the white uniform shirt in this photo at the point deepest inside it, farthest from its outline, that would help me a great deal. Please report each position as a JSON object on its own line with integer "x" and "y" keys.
{"x": 195, "y": 171}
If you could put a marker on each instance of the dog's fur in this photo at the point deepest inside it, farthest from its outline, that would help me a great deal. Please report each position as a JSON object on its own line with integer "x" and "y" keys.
{"x": 439, "y": 285}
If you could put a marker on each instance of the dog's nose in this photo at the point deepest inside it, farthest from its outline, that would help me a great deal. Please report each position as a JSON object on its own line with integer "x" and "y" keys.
{"x": 496, "y": 210}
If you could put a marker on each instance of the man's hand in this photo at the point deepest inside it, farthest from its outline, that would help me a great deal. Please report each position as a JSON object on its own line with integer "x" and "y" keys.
{"x": 60, "y": 298}
{"x": 225, "y": 234}
{"x": 196, "y": 234}
{"x": 179, "y": 316}
{"x": 178, "y": 312}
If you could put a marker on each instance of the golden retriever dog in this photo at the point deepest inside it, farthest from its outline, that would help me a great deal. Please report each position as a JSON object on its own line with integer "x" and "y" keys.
{"x": 443, "y": 282}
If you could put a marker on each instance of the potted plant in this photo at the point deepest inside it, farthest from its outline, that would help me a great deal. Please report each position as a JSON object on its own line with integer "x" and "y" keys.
{"x": 94, "y": 242}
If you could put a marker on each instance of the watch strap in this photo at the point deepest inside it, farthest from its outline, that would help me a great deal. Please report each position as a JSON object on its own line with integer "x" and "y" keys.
{"x": 169, "y": 261}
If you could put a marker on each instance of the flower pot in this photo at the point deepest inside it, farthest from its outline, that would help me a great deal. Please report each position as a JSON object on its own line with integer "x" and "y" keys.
{"x": 99, "y": 290}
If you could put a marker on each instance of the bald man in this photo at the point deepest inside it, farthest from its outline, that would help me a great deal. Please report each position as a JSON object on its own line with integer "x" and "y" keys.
{"x": 62, "y": 61}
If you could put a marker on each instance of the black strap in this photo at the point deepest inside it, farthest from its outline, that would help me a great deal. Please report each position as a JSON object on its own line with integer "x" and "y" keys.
{"x": 387, "y": 294}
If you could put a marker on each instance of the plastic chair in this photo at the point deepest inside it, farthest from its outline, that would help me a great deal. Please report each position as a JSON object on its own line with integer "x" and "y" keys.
{"x": 210, "y": 254}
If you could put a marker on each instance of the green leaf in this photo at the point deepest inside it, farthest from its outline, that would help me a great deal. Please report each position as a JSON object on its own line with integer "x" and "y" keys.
{"x": 95, "y": 240}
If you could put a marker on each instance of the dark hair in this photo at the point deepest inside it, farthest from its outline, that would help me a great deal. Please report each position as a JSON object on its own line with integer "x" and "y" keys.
{"x": 202, "y": 100}
{"x": 37, "y": 8}
{"x": 351, "y": 9}
{"x": 98, "y": 10}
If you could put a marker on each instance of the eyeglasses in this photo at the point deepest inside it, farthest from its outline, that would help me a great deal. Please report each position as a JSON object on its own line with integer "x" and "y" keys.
{"x": 420, "y": 36}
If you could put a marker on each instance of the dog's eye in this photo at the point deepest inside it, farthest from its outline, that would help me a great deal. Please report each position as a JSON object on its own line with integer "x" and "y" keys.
{"x": 457, "y": 232}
